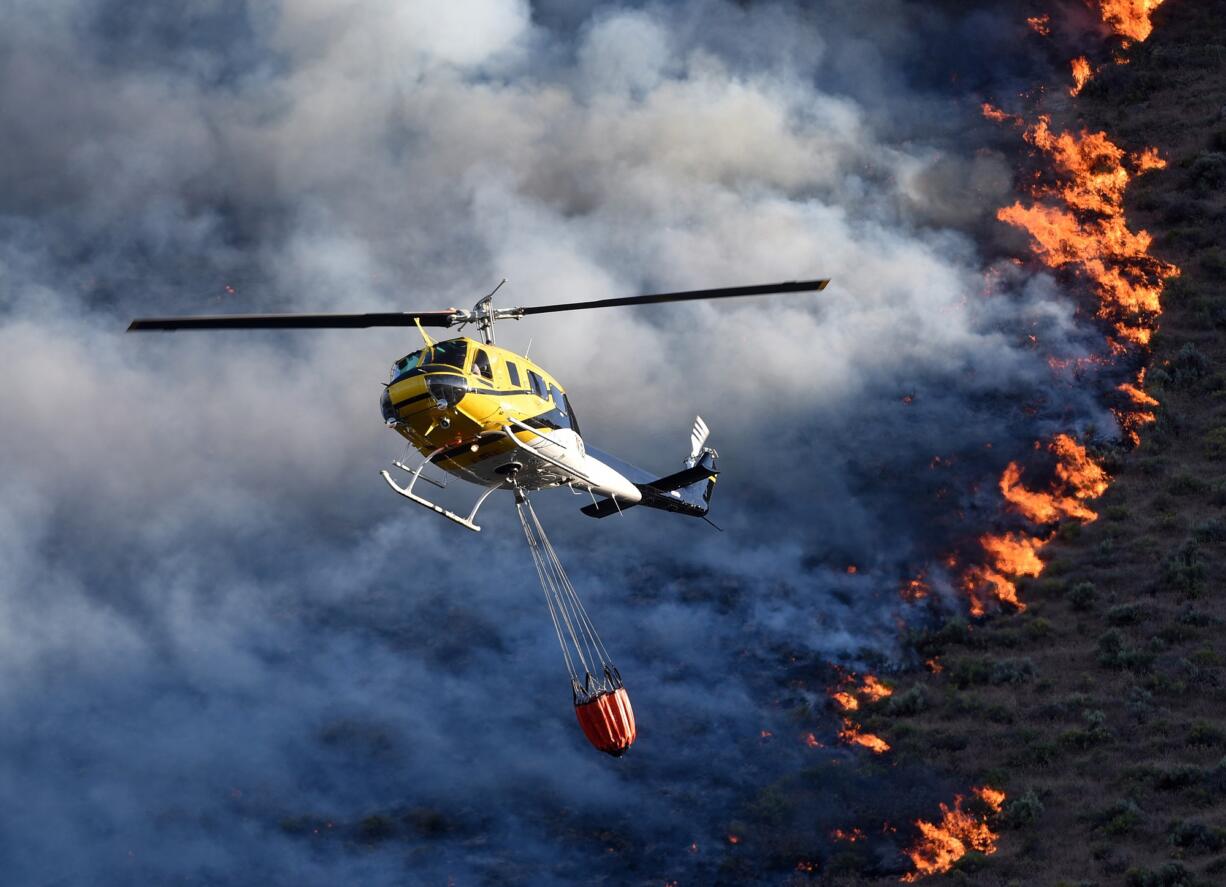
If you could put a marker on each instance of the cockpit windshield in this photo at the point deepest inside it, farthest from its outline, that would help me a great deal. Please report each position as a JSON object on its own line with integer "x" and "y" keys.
{"x": 406, "y": 363}
{"x": 450, "y": 353}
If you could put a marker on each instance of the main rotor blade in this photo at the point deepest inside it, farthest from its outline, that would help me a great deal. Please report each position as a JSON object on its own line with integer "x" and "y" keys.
{"x": 795, "y": 286}
{"x": 294, "y": 321}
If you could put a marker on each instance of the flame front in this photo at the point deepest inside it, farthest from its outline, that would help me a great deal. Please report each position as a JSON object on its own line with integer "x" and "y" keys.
{"x": 943, "y": 843}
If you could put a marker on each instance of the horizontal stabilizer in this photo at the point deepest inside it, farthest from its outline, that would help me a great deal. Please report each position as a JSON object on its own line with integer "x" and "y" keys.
{"x": 605, "y": 507}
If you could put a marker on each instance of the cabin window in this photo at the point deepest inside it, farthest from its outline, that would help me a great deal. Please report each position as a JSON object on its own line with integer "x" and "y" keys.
{"x": 512, "y": 372}
{"x": 481, "y": 365}
{"x": 538, "y": 385}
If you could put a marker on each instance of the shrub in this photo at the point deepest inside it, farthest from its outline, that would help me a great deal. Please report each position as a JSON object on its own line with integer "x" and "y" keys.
{"x": 1184, "y": 484}
{"x": 1188, "y": 366}
{"x": 1113, "y": 652}
{"x": 1183, "y": 570}
{"x": 1120, "y": 818}
{"x": 1207, "y": 172}
{"x": 1022, "y": 811}
{"x": 1176, "y": 776}
{"x": 1196, "y": 837}
{"x": 1212, "y": 530}
{"x": 1126, "y": 614}
{"x": 1171, "y": 874}
{"x": 1012, "y": 671}
{"x": 1081, "y": 596}
{"x": 1215, "y": 442}
{"x": 1206, "y": 734}
{"x": 910, "y": 702}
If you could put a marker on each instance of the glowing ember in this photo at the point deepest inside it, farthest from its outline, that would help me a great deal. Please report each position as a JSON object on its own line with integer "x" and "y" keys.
{"x": 811, "y": 741}
{"x": 1041, "y": 24}
{"x": 805, "y": 866}
{"x": 734, "y": 839}
{"x": 1081, "y": 74}
{"x": 942, "y": 844}
{"x": 934, "y": 665}
{"x": 850, "y": 837}
{"x": 1129, "y": 18}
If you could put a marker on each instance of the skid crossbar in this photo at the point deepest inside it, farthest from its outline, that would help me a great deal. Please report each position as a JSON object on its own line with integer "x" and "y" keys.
{"x": 408, "y": 493}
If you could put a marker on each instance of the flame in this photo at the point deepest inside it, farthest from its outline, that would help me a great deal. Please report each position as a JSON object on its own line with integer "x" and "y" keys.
{"x": 868, "y": 689}
{"x": 1082, "y": 226}
{"x": 944, "y": 843}
{"x": 811, "y": 741}
{"x": 1041, "y": 24}
{"x": 845, "y": 701}
{"x": 934, "y": 665}
{"x": 850, "y": 837}
{"x": 1078, "y": 478}
{"x": 852, "y": 734}
{"x": 1082, "y": 72}
{"x": 1129, "y": 18}
{"x": 874, "y": 689}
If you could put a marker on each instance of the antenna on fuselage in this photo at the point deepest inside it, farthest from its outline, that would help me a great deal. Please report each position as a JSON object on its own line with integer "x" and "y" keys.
{"x": 483, "y": 314}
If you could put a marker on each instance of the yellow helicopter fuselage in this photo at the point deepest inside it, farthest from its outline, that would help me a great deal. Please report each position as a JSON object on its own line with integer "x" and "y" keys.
{"x": 477, "y": 410}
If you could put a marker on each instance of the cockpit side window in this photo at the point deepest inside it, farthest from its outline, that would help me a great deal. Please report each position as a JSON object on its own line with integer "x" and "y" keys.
{"x": 538, "y": 385}
{"x": 570, "y": 414}
{"x": 512, "y": 372}
{"x": 481, "y": 365}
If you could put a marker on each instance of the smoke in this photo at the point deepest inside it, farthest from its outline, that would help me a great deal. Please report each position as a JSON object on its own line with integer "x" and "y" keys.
{"x": 228, "y": 655}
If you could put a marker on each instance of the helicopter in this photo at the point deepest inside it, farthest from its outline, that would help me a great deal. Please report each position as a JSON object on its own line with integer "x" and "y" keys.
{"x": 494, "y": 418}
{"x": 497, "y": 419}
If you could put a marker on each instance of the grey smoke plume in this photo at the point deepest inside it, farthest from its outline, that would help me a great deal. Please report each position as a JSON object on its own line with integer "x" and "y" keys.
{"x": 228, "y": 656}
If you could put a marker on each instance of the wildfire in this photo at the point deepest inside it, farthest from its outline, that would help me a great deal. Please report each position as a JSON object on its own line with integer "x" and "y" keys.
{"x": 852, "y": 734}
{"x": 1078, "y": 478}
{"x": 1082, "y": 72}
{"x": 1081, "y": 226}
{"x": 1129, "y": 18}
{"x": 944, "y": 843}
{"x": 870, "y": 689}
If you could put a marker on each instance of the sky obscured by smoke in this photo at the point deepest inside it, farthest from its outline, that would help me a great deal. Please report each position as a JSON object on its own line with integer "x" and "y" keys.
{"x": 224, "y": 645}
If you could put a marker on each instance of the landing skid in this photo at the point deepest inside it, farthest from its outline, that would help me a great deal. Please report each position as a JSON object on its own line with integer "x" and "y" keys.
{"x": 408, "y": 493}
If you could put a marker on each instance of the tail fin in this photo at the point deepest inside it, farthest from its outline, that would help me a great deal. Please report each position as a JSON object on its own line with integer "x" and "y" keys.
{"x": 684, "y": 492}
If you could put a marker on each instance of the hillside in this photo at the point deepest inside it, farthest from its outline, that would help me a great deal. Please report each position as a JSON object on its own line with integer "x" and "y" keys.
{"x": 1101, "y": 709}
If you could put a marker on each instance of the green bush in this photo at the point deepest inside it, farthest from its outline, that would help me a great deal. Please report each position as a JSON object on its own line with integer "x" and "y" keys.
{"x": 1183, "y": 570}
{"x": 1120, "y": 818}
{"x": 1205, "y": 734}
{"x": 1170, "y": 874}
{"x": 1126, "y": 614}
{"x": 1022, "y": 811}
{"x": 1215, "y": 442}
{"x": 1188, "y": 366}
{"x": 1212, "y": 530}
{"x": 1012, "y": 671}
{"x": 908, "y": 703}
{"x": 1081, "y": 596}
{"x": 1184, "y": 484}
{"x": 1196, "y": 837}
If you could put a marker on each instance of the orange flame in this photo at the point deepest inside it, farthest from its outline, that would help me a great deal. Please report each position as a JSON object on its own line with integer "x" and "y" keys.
{"x": 852, "y": 734}
{"x": 1082, "y": 72}
{"x": 1086, "y": 231}
{"x": 1078, "y": 478}
{"x": 1129, "y": 18}
{"x": 944, "y": 843}
{"x": 1041, "y": 24}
